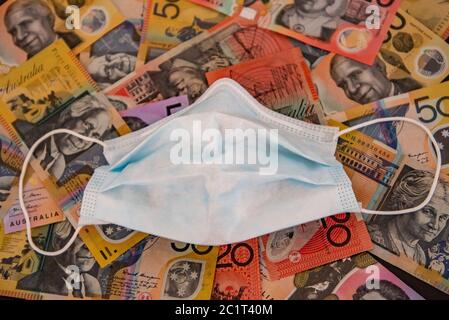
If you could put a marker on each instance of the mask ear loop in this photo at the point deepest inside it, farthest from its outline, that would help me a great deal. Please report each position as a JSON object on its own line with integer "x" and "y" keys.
{"x": 22, "y": 178}
{"x": 437, "y": 170}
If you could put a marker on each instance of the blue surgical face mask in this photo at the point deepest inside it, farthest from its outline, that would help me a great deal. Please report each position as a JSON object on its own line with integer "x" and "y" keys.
{"x": 162, "y": 181}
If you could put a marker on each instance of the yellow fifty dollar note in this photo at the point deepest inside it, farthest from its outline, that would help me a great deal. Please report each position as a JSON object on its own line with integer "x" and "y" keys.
{"x": 51, "y": 91}
{"x": 166, "y": 270}
{"x": 28, "y": 27}
{"x": 168, "y": 23}
{"x": 155, "y": 268}
{"x": 434, "y": 14}
{"x": 108, "y": 242}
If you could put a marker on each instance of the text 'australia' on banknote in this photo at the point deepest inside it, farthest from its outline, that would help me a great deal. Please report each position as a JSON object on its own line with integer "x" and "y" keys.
{"x": 40, "y": 204}
{"x": 51, "y": 91}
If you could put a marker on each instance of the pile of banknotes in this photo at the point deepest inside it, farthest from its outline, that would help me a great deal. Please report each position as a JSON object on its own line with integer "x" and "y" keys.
{"x": 106, "y": 68}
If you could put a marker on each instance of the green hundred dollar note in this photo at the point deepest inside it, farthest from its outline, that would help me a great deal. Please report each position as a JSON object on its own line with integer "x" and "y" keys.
{"x": 418, "y": 242}
{"x": 434, "y": 14}
{"x": 411, "y": 57}
{"x": 155, "y": 268}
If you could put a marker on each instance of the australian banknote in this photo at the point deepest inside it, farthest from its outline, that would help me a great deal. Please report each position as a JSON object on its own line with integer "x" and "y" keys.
{"x": 113, "y": 56}
{"x": 108, "y": 242}
{"x": 434, "y": 14}
{"x": 133, "y": 11}
{"x": 358, "y": 277}
{"x": 353, "y": 28}
{"x": 155, "y": 268}
{"x": 22, "y": 39}
{"x": 52, "y": 91}
{"x": 415, "y": 242}
{"x": 41, "y": 206}
{"x": 309, "y": 245}
{"x": 237, "y": 275}
{"x": 181, "y": 71}
{"x": 168, "y": 23}
{"x": 39, "y": 202}
{"x": 281, "y": 81}
{"x": 411, "y": 57}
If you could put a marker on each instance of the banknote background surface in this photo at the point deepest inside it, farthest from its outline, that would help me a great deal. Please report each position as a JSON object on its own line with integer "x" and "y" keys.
{"x": 135, "y": 62}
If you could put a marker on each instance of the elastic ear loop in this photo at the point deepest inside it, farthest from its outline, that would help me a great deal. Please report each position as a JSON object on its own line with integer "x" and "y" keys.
{"x": 437, "y": 151}
{"x": 22, "y": 178}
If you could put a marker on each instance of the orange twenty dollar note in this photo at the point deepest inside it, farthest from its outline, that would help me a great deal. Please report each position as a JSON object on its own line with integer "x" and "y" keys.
{"x": 313, "y": 244}
{"x": 280, "y": 81}
{"x": 237, "y": 274}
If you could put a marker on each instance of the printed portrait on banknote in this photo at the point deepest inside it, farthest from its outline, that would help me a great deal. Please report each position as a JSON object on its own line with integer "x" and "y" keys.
{"x": 64, "y": 156}
{"x": 347, "y": 279}
{"x": 318, "y": 19}
{"x": 411, "y": 57}
{"x": 185, "y": 73}
{"x": 31, "y": 24}
{"x": 362, "y": 83}
{"x": 181, "y": 71}
{"x": 419, "y": 234}
{"x": 72, "y": 273}
{"x": 387, "y": 291}
{"x": 113, "y": 56}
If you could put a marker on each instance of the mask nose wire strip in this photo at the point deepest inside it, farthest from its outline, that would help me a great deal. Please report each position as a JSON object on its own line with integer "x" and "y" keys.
{"x": 22, "y": 178}
{"x": 437, "y": 170}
